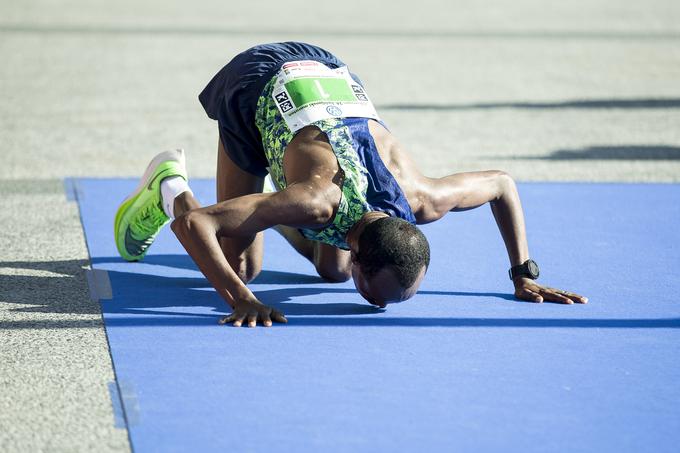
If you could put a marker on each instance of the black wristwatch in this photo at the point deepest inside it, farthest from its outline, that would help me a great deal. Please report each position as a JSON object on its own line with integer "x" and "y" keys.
{"x": 528, "y": 269}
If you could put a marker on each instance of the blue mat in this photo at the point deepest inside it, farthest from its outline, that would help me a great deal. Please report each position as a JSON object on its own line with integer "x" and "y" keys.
{"x": 462, "y": 366}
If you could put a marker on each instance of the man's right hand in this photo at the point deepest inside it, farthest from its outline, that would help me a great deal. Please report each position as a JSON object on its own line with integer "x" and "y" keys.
{"x": 252, "y": 310}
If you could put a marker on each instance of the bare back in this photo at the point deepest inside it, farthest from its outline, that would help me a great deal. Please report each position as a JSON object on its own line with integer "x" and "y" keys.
{"x": 309, "y": 160}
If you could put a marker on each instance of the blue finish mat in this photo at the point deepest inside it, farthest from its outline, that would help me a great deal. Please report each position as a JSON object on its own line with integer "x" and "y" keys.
{"x": 462, "y": 366}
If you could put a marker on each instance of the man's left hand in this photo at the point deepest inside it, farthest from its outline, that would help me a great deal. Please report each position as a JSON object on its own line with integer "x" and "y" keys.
{"x": 527, "y": 289}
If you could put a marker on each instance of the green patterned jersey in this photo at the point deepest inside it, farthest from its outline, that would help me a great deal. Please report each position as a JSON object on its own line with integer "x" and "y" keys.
{"x": 275, "y": 137}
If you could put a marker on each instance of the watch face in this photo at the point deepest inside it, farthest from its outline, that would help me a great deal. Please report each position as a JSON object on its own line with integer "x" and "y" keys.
{"x": 533, "y": 268}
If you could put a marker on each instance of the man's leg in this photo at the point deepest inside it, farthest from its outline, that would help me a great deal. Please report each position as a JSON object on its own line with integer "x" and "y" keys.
{"x": 185, "y": 202}
{"x": 331, "y": 263}
{"x": 243, "y": 253}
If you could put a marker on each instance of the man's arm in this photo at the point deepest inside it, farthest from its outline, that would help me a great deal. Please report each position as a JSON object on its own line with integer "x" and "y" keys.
{"x": 463, "y": 191}
{"x": 198, "y": 231}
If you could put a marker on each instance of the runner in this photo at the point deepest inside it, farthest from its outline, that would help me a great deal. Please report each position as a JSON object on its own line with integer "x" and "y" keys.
{"x": 345, "y": 196}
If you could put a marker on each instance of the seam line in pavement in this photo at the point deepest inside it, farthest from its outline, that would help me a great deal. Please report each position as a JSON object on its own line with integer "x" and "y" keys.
{"x": 347, "y": 34}
{"x": 99, "y": 283}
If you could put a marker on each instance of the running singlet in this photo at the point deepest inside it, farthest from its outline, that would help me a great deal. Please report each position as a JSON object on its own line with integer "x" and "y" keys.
{"x": 307, "y": 93}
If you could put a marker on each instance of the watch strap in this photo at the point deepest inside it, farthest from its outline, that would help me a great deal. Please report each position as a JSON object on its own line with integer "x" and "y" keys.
{"x": 523, "y": 270}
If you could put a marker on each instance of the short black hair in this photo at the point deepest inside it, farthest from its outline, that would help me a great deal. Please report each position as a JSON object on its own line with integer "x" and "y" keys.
{"x": 396, "y": 243}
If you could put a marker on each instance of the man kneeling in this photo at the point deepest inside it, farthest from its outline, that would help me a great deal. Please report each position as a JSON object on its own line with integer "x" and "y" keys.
{"x": 346, "y": 196}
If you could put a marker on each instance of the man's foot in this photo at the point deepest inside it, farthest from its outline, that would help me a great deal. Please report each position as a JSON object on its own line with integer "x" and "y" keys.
{"x": 140, "y": 217}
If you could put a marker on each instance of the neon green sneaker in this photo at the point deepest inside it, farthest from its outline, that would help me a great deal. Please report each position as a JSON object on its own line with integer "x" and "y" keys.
{"x": 140, "y": 217}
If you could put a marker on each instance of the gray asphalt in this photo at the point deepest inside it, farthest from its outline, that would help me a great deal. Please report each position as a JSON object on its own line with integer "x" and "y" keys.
{"x": 550, "y": 91}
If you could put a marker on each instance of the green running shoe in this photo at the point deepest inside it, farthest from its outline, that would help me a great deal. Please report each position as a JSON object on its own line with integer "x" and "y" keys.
{"x": 140, "y": 217}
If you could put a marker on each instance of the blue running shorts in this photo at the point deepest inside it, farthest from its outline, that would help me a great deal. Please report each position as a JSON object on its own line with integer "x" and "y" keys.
{"x": 231, "y": 97}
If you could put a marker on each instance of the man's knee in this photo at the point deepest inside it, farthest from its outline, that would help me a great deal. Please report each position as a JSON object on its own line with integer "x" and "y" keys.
{"x": 336, "y": 274}
{"x": 245, "y": 258}
{"x": 331, "y": 263}
{"x": 247, "y": 273}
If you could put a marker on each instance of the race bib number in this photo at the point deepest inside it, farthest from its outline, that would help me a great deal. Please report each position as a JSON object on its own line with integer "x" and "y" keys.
{"x": 308, "y": 91}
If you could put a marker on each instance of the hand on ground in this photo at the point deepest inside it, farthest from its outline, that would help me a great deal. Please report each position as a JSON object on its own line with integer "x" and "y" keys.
{"x": 250, "y": 311}
{"x": 527, "y": 289}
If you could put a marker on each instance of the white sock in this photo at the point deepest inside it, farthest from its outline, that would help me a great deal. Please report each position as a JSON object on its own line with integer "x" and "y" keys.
{"x": 170, "y": 188}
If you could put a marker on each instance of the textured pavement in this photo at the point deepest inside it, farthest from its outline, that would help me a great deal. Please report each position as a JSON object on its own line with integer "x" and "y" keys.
{"x": 566, "y": 91}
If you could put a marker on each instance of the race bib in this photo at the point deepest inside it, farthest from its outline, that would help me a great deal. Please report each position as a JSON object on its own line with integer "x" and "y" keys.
{"x": 308, "y": 91}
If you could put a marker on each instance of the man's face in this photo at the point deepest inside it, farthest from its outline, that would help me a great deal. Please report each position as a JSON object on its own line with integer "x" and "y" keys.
{"x": 383, "y": 288}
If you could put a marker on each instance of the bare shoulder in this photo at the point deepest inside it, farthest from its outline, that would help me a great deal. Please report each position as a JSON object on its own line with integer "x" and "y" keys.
{"x": 311, "y": 169}
{"x": 309, "y": 158}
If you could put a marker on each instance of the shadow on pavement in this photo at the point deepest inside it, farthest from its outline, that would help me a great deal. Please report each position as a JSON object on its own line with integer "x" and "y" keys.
{"x": 642, "y": 103}
{"x": 47, "y": 287}
{"x": 142, "y": 289}
{"x": 143, "y": 299}
{"x": 164, "y": 320}
{"x": 615, "y": 152}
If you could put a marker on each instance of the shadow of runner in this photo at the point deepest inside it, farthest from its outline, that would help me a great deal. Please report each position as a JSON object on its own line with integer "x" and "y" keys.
{"x": 665, "y": 323}
{"x": 58, "y": 287}
{"x": 183, "y": 320}
{"x": 141, "y": 299}
{"x": 183, "y": 261}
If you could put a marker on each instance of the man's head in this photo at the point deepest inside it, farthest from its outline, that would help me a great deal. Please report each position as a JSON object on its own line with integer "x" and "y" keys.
{"x": 389, "y": 260}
